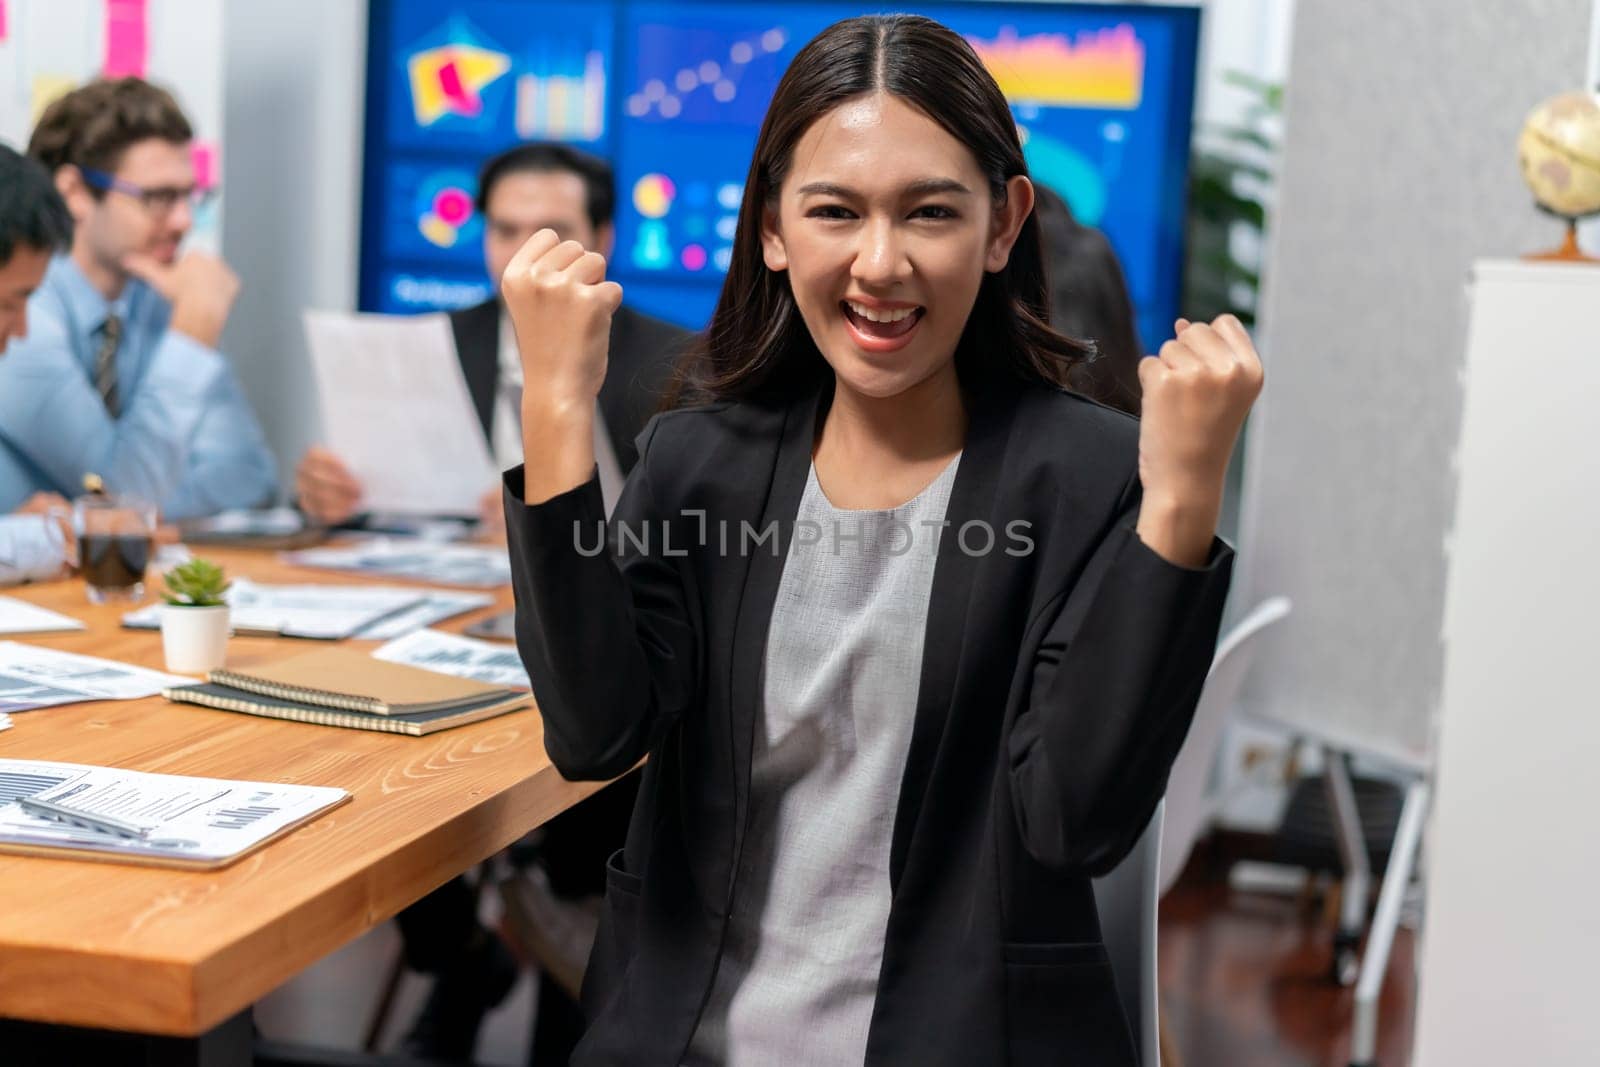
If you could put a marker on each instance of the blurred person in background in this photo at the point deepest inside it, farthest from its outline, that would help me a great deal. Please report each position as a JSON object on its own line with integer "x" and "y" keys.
{"x": 521, "y": 191}
{"x": 555, "y": 896}
{"x": 34, "y": 225}
{"x": 1089, "y": 300}
{"x": 120, "y": 374}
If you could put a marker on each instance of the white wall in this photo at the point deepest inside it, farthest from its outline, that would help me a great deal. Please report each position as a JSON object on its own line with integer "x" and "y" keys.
{"x": 296, "y": 80}
{"x": 1399, "y": 169}
{"x": 1249, "y": 36}
{"x": 54, "y": 45}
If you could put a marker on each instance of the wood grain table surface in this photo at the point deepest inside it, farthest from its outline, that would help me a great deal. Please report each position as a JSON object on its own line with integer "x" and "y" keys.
{"x": 160, "y": 951}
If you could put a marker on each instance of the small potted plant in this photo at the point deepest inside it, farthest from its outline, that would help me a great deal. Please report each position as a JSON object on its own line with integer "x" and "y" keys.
{"x": 194, "y": 620}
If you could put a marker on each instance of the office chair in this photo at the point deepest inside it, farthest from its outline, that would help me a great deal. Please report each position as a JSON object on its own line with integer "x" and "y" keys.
{"x": 1127, "y": 899}
{"x": 1189, "y": 803}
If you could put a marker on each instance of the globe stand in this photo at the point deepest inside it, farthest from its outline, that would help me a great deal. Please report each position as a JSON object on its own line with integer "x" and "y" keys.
{"x": 1569, "y": 252}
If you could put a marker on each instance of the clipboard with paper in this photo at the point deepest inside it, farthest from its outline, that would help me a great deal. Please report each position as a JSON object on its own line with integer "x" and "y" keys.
{"x": 197, "y": 823}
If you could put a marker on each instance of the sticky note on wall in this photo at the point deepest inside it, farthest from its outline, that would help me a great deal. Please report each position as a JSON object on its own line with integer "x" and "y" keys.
{"x": 207, "y": 164}
{"x": 47, "y": 89}
{"x": 127, "y": 45}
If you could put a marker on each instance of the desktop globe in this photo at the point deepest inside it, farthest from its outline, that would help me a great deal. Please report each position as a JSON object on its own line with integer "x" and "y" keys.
{"x": 1559, "y": 152}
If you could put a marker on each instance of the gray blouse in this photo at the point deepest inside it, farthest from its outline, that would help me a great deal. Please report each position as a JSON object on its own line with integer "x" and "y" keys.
{"x": 799, "y": 970}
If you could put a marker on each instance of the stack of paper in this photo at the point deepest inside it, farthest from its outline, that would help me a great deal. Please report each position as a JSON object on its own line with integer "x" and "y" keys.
{"x": 257, "y": 528}
{"x": 463, "y": 657}
{"x": 476, "y": 566}
{"x": 33, "y": 677}
{"x": 21, "y": 617}
{"x": 328, "y": 612}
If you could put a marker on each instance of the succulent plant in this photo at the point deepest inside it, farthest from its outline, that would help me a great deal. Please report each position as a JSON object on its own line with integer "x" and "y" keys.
{"x": 199, "y": 583}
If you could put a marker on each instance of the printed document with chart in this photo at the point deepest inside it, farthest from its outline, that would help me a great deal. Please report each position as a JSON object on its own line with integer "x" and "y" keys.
{"x": 35, "y": 677}
{"x": 192, "y": 822}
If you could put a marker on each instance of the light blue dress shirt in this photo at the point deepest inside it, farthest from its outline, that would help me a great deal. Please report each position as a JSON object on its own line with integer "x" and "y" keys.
{"x": 186, "y": 437}
{"x": 29, "y": 549}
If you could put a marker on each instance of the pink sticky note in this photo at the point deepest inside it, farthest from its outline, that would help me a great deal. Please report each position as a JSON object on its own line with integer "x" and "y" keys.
{"x": 126, "y": 45}
{"x": 206, "y": 169}
{"x": 2, "y": 20}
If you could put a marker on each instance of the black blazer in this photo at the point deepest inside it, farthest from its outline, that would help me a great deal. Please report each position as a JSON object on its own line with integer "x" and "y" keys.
{"x": 1057, "y": 685}
{"x": 643, "y": 353}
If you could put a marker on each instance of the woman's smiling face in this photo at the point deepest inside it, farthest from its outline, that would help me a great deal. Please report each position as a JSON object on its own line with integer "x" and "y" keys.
{"x": 885, "y": 225}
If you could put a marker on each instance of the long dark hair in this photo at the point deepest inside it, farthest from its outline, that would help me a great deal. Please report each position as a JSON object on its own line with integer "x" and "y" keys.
{"x": 757, "y": 347}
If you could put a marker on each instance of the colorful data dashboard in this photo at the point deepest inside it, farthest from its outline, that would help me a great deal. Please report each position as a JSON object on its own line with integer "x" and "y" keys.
{"x": 673, "y": 94}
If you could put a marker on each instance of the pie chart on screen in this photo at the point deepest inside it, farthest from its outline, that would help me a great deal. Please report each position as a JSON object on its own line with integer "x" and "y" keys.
{"x": 653, "y": 195}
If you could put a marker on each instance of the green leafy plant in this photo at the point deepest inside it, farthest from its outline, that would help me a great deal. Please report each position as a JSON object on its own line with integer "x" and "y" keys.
{"x": 1232, "y": 173}
{"x": 198, "y": 583}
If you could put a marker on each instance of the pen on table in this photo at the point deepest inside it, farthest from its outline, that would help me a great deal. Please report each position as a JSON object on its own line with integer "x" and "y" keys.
{"x": 109, "y": 824}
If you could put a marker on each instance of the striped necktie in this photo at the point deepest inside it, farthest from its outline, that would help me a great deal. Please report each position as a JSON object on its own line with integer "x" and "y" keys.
{"x": 105, "y": 364}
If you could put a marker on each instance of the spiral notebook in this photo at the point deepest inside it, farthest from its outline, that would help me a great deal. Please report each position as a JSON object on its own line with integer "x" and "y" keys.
{"x": 416, "y": 724}
{"x": 347, "y": 680}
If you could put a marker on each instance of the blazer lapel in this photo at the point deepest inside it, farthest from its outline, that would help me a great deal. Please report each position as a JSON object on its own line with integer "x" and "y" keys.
{"x": 949, "y": 608}
{"x": 618, "y": 382}
{"x": 790, "y": 468}
{"x": 477, "y": 334}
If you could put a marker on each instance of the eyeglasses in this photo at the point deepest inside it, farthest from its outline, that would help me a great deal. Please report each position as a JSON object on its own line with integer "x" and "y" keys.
{"x": 158, "y": 201}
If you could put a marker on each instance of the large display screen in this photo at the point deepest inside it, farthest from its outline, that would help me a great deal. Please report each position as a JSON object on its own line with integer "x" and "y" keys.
{"x": 672, "y": 94}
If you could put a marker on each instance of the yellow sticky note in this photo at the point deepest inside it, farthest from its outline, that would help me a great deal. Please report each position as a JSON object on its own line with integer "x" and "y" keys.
{"x": 47, "y": 89}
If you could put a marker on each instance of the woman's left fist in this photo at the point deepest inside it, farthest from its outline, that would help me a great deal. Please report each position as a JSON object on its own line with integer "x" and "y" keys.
{"x": 1197, "y": 391}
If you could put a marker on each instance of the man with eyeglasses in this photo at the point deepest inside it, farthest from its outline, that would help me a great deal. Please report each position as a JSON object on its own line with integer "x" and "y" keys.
{"x": 120, "y": 373}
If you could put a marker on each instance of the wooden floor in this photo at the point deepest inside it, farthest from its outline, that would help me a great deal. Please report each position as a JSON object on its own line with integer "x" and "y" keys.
{"x": 1245, "y": 981}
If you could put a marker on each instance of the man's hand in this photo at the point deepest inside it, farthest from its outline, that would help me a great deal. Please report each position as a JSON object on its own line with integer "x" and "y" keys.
{"x": 200, "y": 287}
{"x": 42, "y": 503}
{"x": 326, "y": 489}
{"x": 56, "y": 512}
{"x": 1197, "y": 392}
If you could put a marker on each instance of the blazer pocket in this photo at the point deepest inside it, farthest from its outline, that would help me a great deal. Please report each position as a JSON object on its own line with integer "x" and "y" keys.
{"x": 617, "y": 939}
{"x": 1062, "y": 1007}
{"x": 618, "y": 878}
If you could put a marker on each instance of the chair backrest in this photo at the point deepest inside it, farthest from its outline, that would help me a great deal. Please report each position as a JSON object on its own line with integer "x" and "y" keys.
{"x": 1127, "y": 898}
{"x": 1189, "y": 786}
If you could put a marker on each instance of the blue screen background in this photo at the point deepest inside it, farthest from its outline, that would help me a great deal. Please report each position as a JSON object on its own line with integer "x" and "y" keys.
{"x": 673, "y": 95}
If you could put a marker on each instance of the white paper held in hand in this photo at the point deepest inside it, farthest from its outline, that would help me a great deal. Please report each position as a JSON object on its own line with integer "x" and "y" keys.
{"x": 395, "y": 408}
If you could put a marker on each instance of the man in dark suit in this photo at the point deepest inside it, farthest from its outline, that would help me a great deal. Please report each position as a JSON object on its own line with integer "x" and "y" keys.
{"x": 521, "y": 191}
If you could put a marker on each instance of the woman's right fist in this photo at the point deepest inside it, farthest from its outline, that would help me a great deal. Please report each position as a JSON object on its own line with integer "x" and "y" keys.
{"x": 561, "y": 306}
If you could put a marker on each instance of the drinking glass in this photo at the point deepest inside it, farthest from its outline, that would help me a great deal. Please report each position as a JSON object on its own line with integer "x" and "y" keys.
{"x": 115, "y": 533}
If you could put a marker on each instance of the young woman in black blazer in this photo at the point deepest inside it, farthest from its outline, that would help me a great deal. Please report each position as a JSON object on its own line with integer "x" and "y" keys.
{"x": 882, "y": 324}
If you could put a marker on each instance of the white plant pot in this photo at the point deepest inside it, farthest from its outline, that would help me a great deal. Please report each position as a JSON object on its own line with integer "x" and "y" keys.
{"x": 194, "y": 639}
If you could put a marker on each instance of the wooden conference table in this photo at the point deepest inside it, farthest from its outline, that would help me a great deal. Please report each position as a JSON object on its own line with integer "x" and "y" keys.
{"x": 154, "y": 951}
